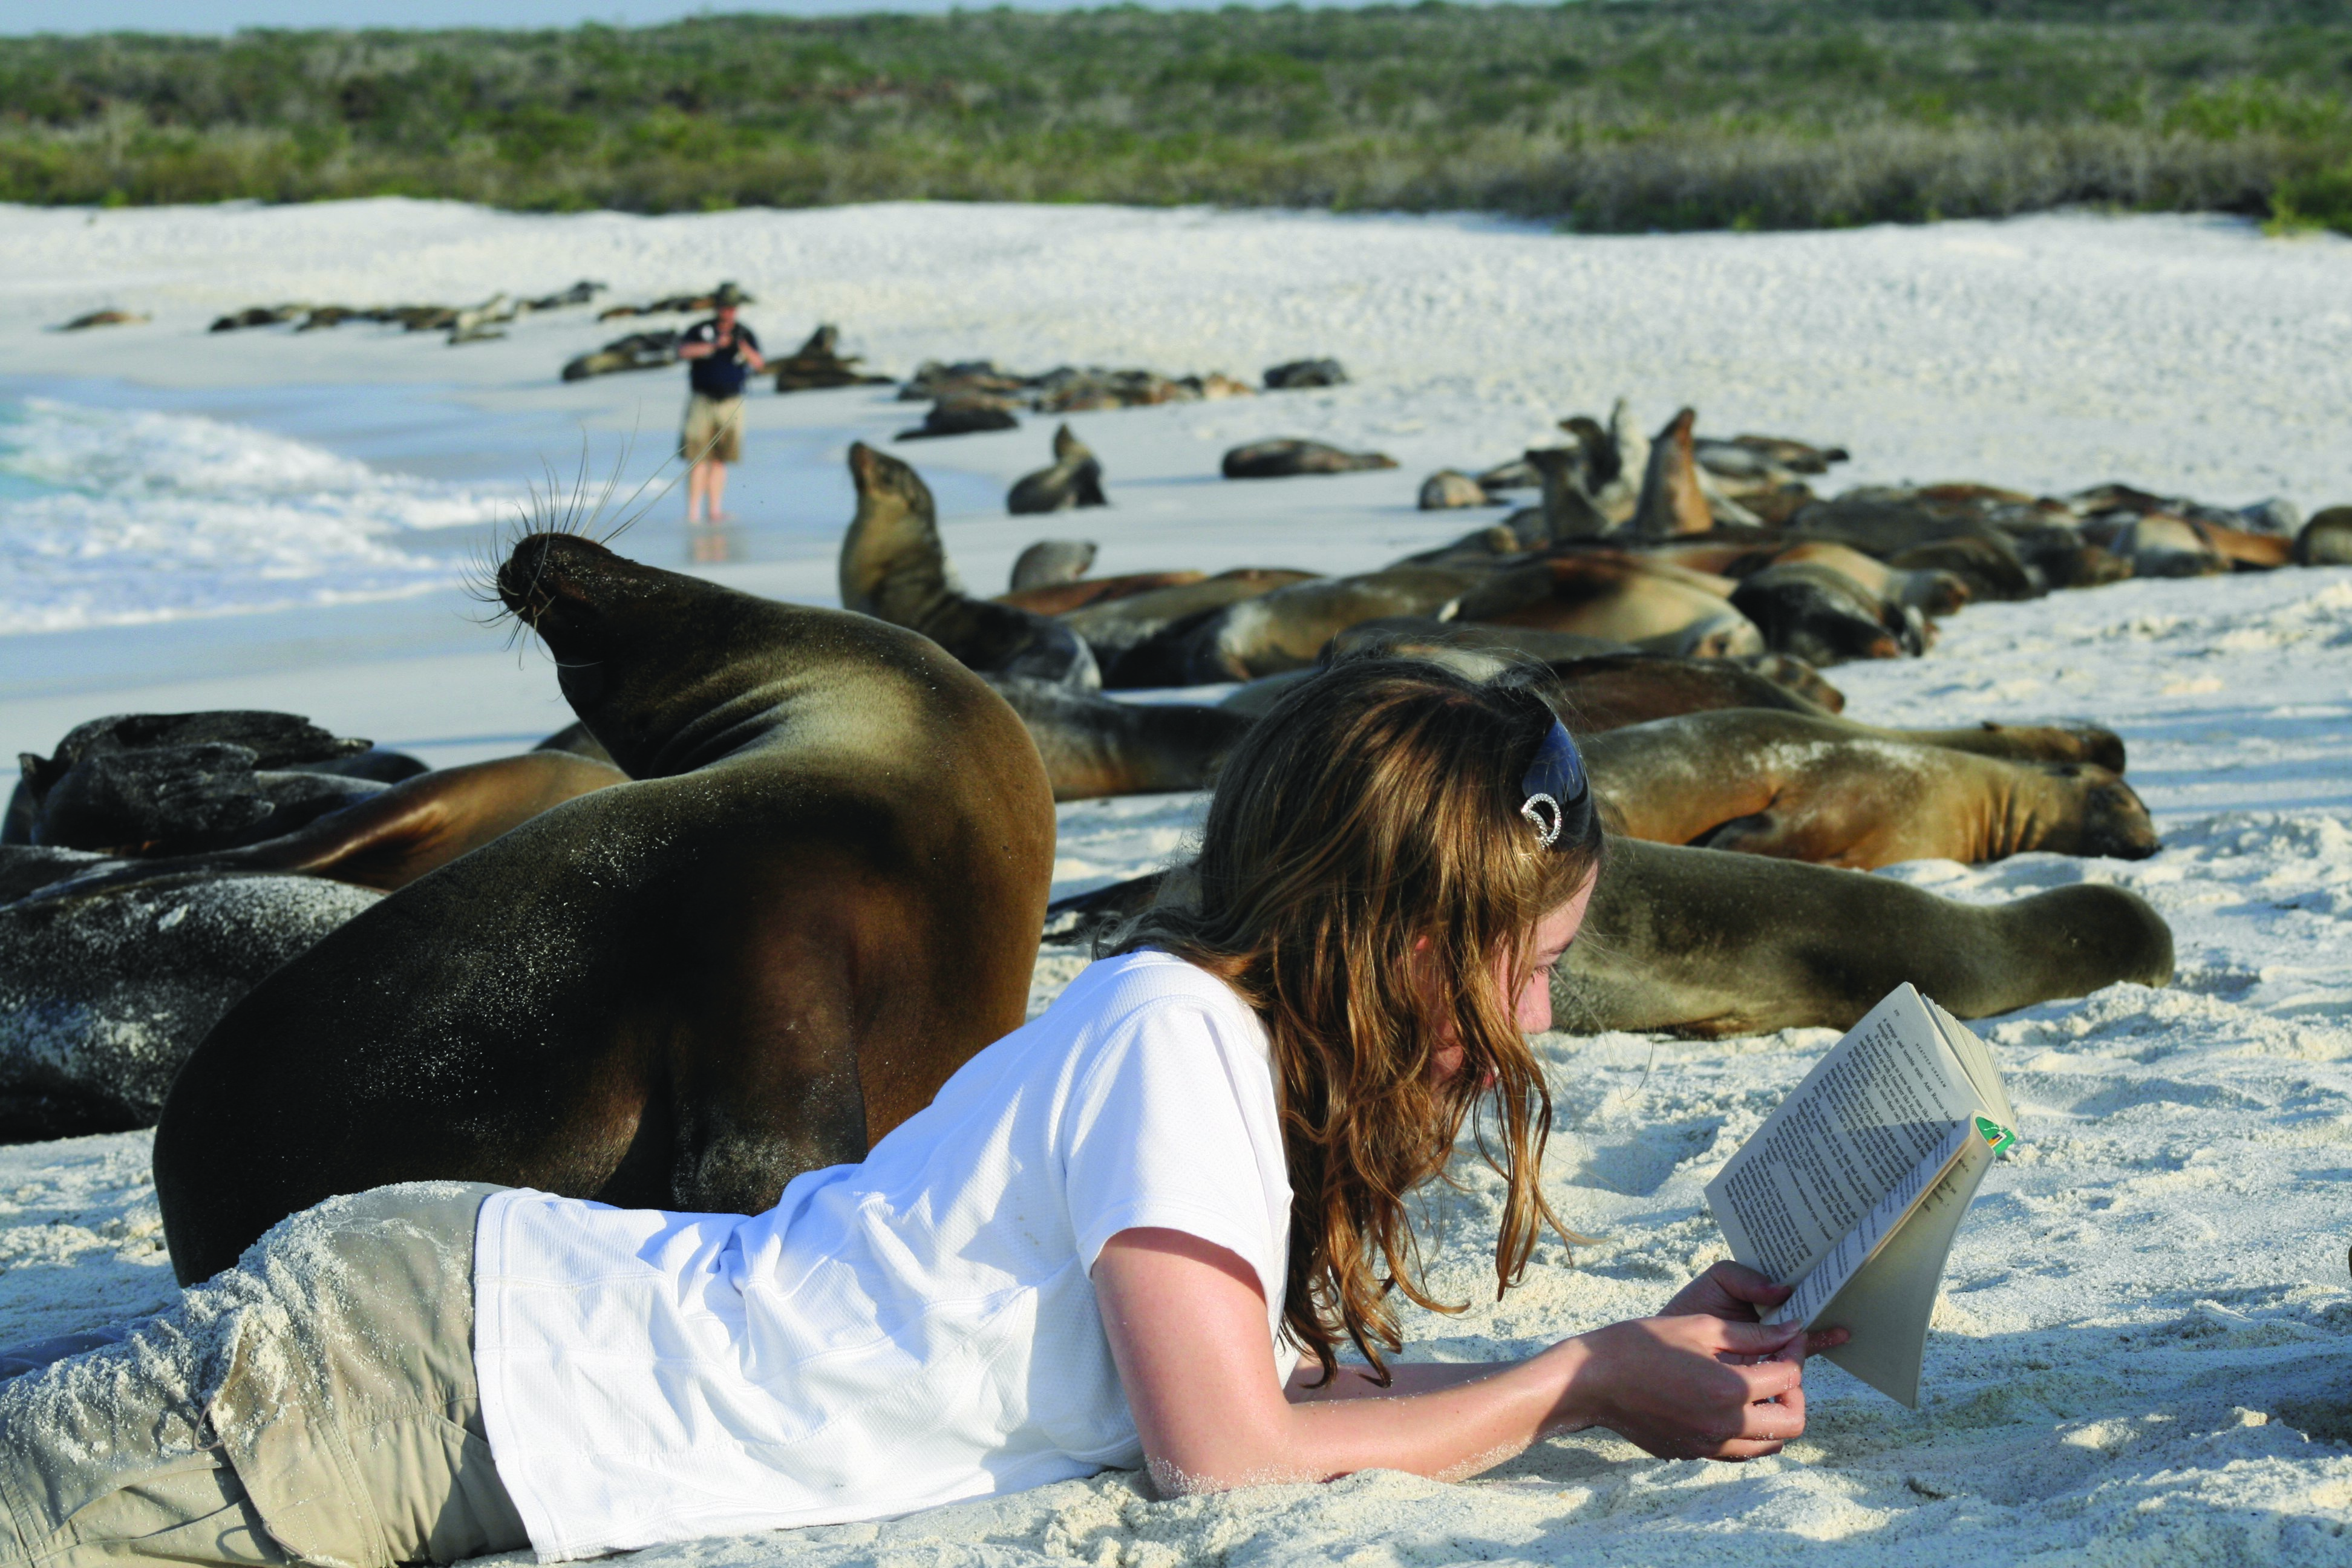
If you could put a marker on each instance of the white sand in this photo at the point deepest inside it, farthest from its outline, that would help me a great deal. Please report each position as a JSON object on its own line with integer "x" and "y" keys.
{"x": 2144, "y": 1350}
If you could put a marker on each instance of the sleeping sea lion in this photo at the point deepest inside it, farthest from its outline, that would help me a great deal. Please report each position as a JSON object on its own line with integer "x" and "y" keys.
{"x": 1823, "y": 616}
{"x": 894, "y": 569}
{"x": 104, "y": 992}
{"x": 1286, "y": 457}
{"x": 1806, "y": 787}
{"x": 1051, "y": 561}
{"x": 1706, "y": 944}
{"x": 818, "y": 896}
{"x": 1061, "y": 598}
{"x": 1128, "y": 634}
{"x": 1094, "y": 746}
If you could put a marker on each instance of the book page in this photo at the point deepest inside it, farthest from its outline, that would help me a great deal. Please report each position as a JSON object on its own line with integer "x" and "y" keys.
{"x": 1884, "y": 1098}
{"x": 1887, "y": 1305}
{"x": 1859, "y": 1246}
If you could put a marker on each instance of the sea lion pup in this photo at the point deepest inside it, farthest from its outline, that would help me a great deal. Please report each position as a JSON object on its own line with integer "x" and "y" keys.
{"x": 1093, "y": 746}
{"x": 1287, "y": 455}
{"x": 1450, "y": 489}
{"x": 1705, "y": 944}
{"x": 819, "y": 895}
{"x": 104, "y": 992}
{"x": 1801, "y": 787}
{"x": 1075, "y": 480}
{"x": 894, "y": 569}
{"x": 1051, "y": 561}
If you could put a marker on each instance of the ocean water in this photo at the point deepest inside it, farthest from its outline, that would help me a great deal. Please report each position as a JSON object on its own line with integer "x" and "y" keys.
{"x": 116, "y": 515}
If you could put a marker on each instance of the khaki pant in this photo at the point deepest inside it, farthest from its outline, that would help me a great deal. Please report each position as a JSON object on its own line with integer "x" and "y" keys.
{"x": 315, "y": 1404}
{"x": 714, "y": 430}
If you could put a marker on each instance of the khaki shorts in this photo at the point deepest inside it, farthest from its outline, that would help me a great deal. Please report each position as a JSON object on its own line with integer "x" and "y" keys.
{"x": 315, "y": 1404}
{"x": 714, "y": 430}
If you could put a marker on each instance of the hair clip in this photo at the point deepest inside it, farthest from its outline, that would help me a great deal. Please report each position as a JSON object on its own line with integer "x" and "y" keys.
{"x": 1553, "y": 783}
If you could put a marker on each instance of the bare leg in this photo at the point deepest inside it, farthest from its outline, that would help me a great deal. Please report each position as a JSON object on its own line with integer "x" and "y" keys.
{"x": 698, "y": 486}
{"x": 717, "y": 490}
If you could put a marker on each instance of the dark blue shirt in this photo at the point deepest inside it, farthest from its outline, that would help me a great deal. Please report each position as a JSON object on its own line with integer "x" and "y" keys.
{"x": 720, "y": 374}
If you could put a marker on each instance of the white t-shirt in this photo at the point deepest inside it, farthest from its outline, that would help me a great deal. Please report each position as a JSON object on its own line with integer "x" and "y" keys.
{"x": 912, "y": 1330}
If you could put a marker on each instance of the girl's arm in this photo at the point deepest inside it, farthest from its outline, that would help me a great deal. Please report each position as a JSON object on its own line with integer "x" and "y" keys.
{"x": 1186, "y": 1321}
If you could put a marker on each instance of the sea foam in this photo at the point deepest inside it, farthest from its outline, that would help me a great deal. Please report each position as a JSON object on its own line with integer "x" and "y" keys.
{"x": 109, "y": 516}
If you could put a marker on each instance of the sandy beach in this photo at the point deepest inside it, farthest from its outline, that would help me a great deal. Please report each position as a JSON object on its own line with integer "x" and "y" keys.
{"x": 2143, "y": 1352}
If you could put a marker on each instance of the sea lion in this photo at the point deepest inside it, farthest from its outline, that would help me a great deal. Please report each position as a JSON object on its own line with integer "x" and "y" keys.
{"x": 1448, "y": 489}
{"x": 1073, "y": 480}
{"x": 1996, "y": 568}
{"x": 894, "y": 568}
{"x": 103, "y": 994}
{"x": 1570, "y": 508}
{"x": 1823, "y": 616}
{"x": 2159, "y": 544}
{"x": 391, "y": 838}
{"x": 818, "y": 896}
{"x": 1061, "y": 598}
{"x": 819, "y": 364}
{"x": 1131, "y": 634}
{"x": 1093, "y": 746}
{"x": 1285, "y": 456}
{"x": 1671, "y": 501}
{"x": 170, "y": 783}
{"x": 967, "y": 414}
{"x": 1299, "y": 374}
{"x": 1052, "y": 560}
{"x": 1812, "y": 787}
{"x": 1624, "y": 597}
{"x": 1932, "y": 593}
{"x": 2327, "y": 539}
{"x": 1706, "y": 944}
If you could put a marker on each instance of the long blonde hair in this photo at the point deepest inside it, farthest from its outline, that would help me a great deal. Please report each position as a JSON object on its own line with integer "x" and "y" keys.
{"x": 1365, "y": 845}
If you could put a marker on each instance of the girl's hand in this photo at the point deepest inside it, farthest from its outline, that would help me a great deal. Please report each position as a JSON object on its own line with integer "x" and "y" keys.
{"x": 1736, "y": 1292}
{"x": 1690, "y": 1386}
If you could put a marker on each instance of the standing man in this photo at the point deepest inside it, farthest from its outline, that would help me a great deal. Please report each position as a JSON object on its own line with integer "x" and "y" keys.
{"x": 719, "y": 353}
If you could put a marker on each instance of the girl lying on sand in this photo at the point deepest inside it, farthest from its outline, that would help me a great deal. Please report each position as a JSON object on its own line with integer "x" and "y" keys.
{"x": 1137, "y": 1231}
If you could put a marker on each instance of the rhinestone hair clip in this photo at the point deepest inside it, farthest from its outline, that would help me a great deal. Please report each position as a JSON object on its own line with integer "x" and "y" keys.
{"x": 1554, "y": 783}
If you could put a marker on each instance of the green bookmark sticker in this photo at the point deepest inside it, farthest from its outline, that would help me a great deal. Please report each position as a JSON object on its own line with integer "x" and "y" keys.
{"x": 1994, "y": 1133}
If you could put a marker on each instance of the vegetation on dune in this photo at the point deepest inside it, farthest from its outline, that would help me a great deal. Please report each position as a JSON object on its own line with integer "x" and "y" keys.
{"x": 1625, "y": 115}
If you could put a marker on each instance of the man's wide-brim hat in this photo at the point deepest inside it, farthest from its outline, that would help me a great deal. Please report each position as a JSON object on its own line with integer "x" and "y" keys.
{"x": 728, "y": 294}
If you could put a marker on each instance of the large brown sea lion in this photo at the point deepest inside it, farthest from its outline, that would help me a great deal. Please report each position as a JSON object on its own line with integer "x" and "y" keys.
{"x": 894, "y": 568}
{"x": 1806, "y": 787}
{"x": 816, "y": 897}
{"x": 1705, "y": 944}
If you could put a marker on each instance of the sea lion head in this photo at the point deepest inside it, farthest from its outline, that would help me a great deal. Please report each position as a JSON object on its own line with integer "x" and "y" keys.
{"x": 2116, "y": 823}
{"x": 665, "y": 670}
{"x": 892, "y": 564}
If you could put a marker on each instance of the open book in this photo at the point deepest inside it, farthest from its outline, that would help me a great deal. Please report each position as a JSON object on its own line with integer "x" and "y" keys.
{"x": 1855, "y": 1187}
